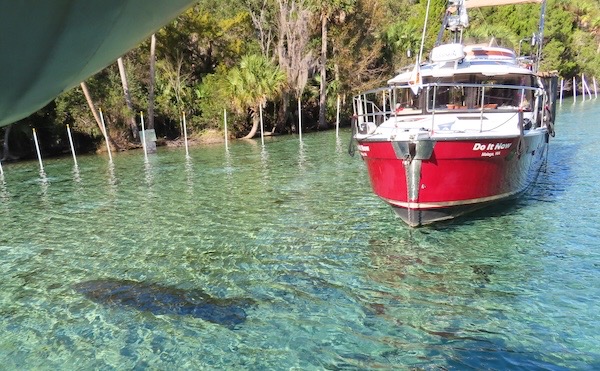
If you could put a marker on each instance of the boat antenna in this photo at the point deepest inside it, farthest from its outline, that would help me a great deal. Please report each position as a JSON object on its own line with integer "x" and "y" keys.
{"x": 424, "y": 31}
{"x": 455, "y": 20}
{"x": 540, "y": 37}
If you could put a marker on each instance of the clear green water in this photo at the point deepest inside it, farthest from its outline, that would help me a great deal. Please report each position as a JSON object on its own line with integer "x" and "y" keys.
{"x": 339, "y": 282}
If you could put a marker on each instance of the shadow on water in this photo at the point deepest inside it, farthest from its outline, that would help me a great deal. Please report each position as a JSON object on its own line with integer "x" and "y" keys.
{"x": 160, "y": 300}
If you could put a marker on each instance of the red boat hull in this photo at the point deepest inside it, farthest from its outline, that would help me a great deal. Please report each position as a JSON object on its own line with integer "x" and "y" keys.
{"x": 460, "y": 175}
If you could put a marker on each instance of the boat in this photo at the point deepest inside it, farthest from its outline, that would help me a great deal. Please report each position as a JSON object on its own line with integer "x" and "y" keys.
{"x": 468, "y": 128}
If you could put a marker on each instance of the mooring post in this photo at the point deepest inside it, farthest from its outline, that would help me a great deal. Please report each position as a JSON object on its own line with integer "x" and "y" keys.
{"x": 71, "y": 143}
{"x": 595, "y": 88}
{"x": 262, "y": 127}
{"x": 300, "y": 118}
{"x": 144, "y": 136}
{"x": 37, "y": 149}
{"x": 225, "y": 123}
{"x": 562, "y": 86}
{"x": 105, "y": 135}
{"x": 185, "y": 138}
{"x": 337, "y": 116}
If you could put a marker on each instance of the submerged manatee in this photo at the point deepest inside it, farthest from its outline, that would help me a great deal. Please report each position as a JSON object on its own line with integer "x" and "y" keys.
{"x": 159, "y": 299}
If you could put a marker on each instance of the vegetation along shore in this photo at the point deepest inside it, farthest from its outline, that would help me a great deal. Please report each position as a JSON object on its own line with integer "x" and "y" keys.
{"x": 283, "y": 55}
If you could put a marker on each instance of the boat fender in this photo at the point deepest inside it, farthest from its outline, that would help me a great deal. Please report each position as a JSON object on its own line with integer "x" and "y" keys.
{"x": 548, "y": 120}
{"x": 353, "y": 125}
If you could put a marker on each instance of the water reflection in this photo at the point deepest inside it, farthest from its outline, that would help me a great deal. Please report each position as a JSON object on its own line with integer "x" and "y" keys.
{"x": 264, "y": 161}
{"x": 44, "y": 183}
{"x": 301, "y": 156}
{"x": 112, "y": 179}
{"x": 189, "y": 175}
{"x": 4, "y": 193}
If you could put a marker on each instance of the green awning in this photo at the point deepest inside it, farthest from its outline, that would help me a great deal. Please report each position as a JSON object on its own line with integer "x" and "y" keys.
{"x": 47, "y": 47}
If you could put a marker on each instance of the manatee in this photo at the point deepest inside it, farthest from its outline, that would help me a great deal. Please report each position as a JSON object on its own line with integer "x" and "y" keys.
{"x": 159, "y": 299}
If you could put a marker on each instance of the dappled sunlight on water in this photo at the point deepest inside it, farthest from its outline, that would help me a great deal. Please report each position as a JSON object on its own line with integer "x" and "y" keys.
{"x": 335, "y": 279}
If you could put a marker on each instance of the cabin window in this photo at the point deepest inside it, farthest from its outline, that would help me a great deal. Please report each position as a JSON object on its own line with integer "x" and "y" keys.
{"x": 405, "y": 102}
{"x": 473, "y": 92}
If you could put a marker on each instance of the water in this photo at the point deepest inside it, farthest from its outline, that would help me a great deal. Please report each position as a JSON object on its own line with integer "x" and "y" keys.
{"x": 336, "y": 281}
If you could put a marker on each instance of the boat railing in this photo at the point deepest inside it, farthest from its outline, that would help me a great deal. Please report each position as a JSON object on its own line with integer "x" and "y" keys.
{"x": 374, "y": 107}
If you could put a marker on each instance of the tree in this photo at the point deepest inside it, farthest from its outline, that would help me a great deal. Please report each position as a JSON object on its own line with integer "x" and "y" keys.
{"x": 125, "y": 84}
{"x": 294, "y": 55}
{"x": 328, "y": 9}
{"x": 251, "y": 84}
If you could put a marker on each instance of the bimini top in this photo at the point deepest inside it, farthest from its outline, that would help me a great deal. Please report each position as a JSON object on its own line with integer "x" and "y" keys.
{"x": 456, "y": 59}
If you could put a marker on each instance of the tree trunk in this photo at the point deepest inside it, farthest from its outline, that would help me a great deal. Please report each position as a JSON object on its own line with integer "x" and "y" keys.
{"x": 90, "y": 103}
{"x": 132, "y": 123}
{"x": 255, "y": 122}
{"x": 151, "y": 87}
{"x": 323, "y": 90}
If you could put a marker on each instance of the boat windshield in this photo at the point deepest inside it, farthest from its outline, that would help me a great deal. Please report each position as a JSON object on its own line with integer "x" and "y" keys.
{"x": 477, "y": 92}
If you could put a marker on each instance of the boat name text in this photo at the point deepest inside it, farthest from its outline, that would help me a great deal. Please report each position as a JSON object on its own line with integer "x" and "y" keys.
{"x": 491, "y": 146}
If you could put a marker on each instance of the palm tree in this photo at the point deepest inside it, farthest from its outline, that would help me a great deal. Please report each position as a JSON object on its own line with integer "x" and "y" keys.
{"x": 251, "y": 84}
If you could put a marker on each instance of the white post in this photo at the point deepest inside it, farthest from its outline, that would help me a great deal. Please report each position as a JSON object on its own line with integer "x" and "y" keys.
{"x": 185, "y": 138}
{"x": 299, "y": 118}
{"x": 595, "y": 88}
{"x": 37, "y": 149}
{"x": 587, "y": 87}
{"x": 105, "y": 135}
{"x": 1, "y": 170}
{"x": 262, "y": 127}
{"x": 225, "y": 121}
{"x": 337, "y": 117}
{"x": 583, "y": 86}
{"x": 144, "y": 136}
{"x": 574, "y": 90}
{"x": 71, "y": 143}
{"x": 562, "y": 86}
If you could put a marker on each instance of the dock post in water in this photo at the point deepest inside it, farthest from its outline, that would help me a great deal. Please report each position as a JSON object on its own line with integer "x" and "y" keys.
{"x": 595, "y": 88}
{"x": 185, "y": 138}
{"x": 262, "y": 126}
{"x": 562, "y": 86}
{"x": 37, "y": 149}
{"x": 337, "y": 116}
{"x": 225, "y": 122}
{"x": 586, "y": 86}
{"x": 105, "y": 135}
{"x": 144, "y": 136}
{"x": 71, "y": 143}
{"x": 300, "y": 118}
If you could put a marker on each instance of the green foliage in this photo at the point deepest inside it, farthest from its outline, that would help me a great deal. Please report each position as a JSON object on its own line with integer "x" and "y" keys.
{"x": 219, "y": 55}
